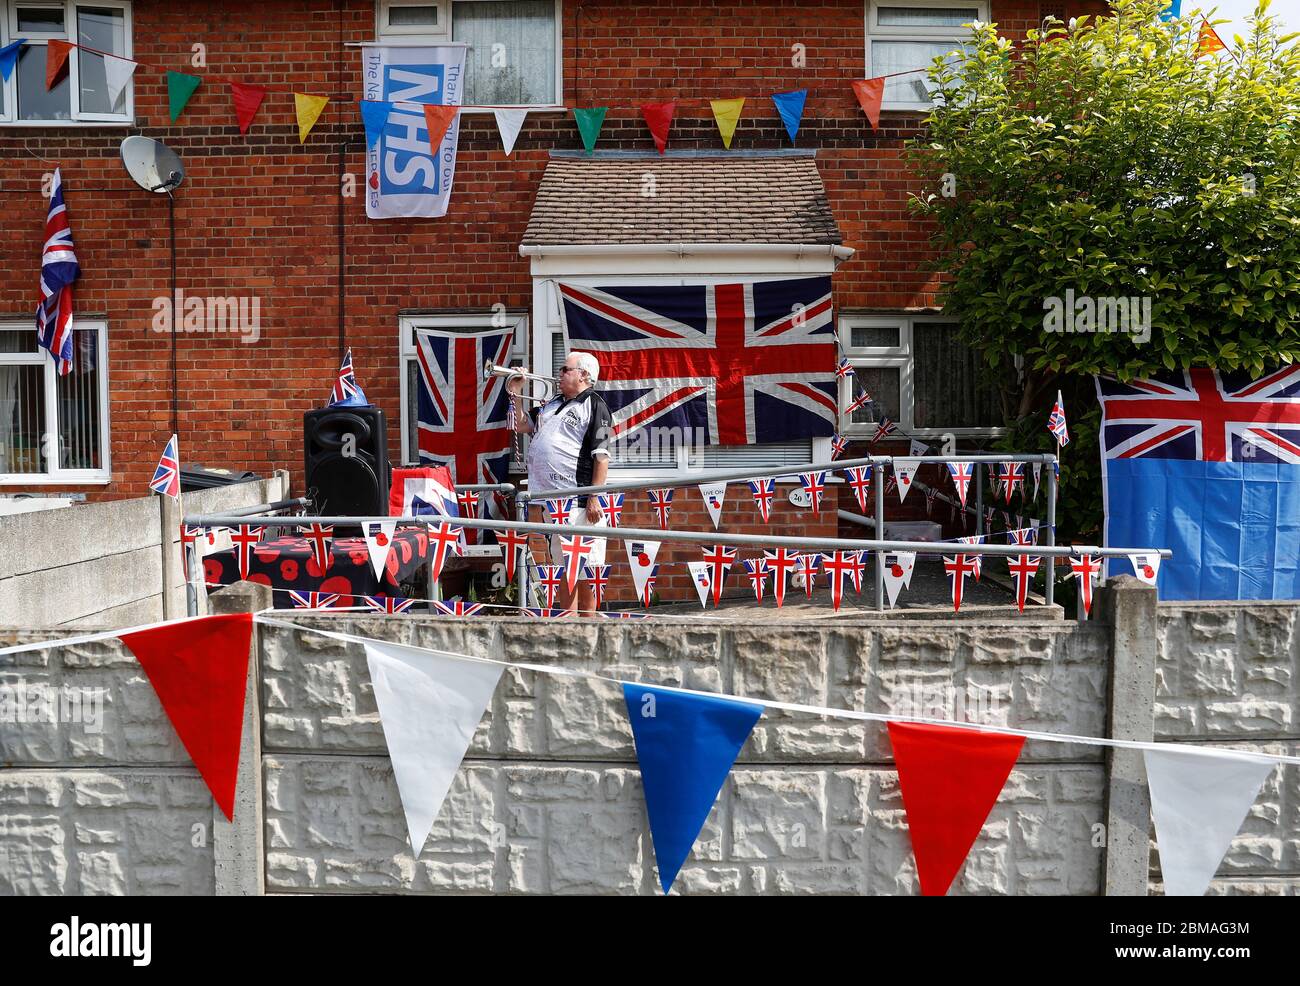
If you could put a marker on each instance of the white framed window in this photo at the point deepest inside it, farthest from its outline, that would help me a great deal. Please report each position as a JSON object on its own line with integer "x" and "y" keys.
{"x": 80, "y": 98}
{"x": 514, "y": 55}
{"x": 910, "y": 34}
{"x": 53, "y": 429}
{"x": 409, "y": 325}
{"x": 920, "y": 376}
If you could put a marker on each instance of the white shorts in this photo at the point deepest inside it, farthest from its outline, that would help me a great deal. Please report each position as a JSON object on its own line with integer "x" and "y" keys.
{"x": 578, "y": 515}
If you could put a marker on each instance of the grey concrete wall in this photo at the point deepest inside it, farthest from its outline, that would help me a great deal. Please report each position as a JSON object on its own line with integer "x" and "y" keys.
{"x": 102, "y": 564}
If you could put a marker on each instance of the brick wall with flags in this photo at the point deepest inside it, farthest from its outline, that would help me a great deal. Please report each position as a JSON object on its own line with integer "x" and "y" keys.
{"x": 258, "y": 213}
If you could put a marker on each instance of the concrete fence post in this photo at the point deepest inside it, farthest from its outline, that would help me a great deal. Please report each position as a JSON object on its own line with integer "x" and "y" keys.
{"x": 1130, "y": 607}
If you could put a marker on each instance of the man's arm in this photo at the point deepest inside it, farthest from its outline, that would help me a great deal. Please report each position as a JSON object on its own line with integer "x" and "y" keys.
{"x": 602, "y": 424}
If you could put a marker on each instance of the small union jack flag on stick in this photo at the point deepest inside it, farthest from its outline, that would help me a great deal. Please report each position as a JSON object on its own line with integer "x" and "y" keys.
{"x": 612, "y": 505}
{"x": 1056, "y": 423}
{"x": 662, "y": 501}
{"x": 346, "y": 389}
{"x": 764, "y": 490}
{"x": 391, "y": 605}
{"x": 167, "y": 476}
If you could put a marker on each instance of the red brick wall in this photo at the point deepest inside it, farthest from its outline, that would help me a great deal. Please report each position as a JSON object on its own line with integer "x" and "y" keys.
{"x": 258, "y": 211}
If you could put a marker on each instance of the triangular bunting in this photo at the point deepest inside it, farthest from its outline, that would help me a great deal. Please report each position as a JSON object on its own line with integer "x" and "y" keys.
{"x": 307, "y": 109}
{"x": 589, "y": 122}
{"x": 700, "y": 579}
{"x": 726, "y": 113}
{"x": 686, "y": 745}
{"x": 870, "y": 93}
{"x": 714, "y": 494}
{"x": 1146, "y": 566}
{"x": 117, "y": 73}
{"x": 199, "y": 670}
{"x": 950, "y": 779}
{"x": 509, "y": 123}
{"x": 374, "y": 117}
{"x": 56, "y": 60}
{"x": 641, "y": 557}
{"x": 379, "y": 541}
{"x": 659, "y": 118}
{"x": 247, "y": 99}
{"x": 906, "y": 470}
{"x": 437, "y": 120}
{"x": 9, "y": 57}
{"x": 180, "y": 87}
{"x": 895, "y": 576}
{"x": 790, "y": 105}
{"x": 1198, "y": 802}
{"x": 430, "y": 705}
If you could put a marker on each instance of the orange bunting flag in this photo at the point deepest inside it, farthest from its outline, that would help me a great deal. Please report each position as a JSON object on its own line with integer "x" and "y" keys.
{"x": 308, "y": 109}
{"x": 437, "y": 118}
{"x": 1208, "y": 42}
{"x": 246, "y": 99}
{"x": 658, "y": 117}
{"x": 870, "y": 93}
{"x": 56, "y": 61}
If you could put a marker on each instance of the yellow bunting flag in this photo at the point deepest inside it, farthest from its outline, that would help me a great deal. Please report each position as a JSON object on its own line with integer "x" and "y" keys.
{"x": 726, "y": 113}
{"x": 437, "y": 119}
{"x": 1208, "y": 42}
{"x": 308, "y": 109}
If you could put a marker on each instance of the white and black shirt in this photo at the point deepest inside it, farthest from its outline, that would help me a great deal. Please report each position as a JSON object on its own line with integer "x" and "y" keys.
{"x": 567, "y": 434}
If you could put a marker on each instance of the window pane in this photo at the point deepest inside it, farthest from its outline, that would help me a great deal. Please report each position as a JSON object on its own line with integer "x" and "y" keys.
{"x": 511, "y": 58}
{"x": 926, "y": 16}
{"x": 13, "y": 340}
{"x": 874, "y": 337}
{"x": 40, "y": 20}
{"x": 22, "y": 418}
{"x": 953, "y": 389}
{"x": 794, "y": 453}
{"x": 413, "y": 16}
{"x": 882, "y": 383}
{"x": 34, "y": 102}
{"x": 103, "y": 28}
{"x": 78, "y": 403}
{"x": 901, "y": 56}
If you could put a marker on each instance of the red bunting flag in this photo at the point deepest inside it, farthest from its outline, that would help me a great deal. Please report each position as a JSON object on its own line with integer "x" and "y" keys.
{"x": 56, "y": 60}
{"x": 950, "y": 779}
{"x": 199, "y": 670}
{"x": 437, "y": 119}
{"x": 247, "y": 99}
{"x": 658, "y": 117}
{"x": 870, "y": 93}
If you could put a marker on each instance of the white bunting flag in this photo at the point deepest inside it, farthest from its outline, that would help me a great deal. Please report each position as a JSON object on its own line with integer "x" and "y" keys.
{"x": 117, "y": 73}
{"x": 1198, "y": 802}
{"x": 641, "y": 557}
{"x": 918, "y": 447}
{"x": 379, "y": 541}
{"x": 1038, "y": 477}
{"x": 714, "y": 495}
{"x": 430, "y": 704}
{"x": 906, "y": 472}
{"x": 509, "y": 123}
{"x": 1146, "y": 566}
{"x": 908, "y": 560}
{"x": 895, "y": 577}
{"x": 703, "y": 583}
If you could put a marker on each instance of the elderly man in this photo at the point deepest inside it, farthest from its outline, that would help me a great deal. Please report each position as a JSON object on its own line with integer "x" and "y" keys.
{"x": 570, "y": 448}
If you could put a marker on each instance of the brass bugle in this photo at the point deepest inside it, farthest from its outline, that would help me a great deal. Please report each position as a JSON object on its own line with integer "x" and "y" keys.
{"x": 547, "y": 384}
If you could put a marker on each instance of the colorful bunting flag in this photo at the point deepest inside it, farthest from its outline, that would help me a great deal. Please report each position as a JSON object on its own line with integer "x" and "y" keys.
{"x": 719, "y": 558}
{"x": 379, "y": 542}
{"x": 117, "y": 73}
{"x": 957, "y": 569}
{"x": 611, "y": 504}
{"x": 859, "y": 481}
{"x": 319, "y": 537}
{"x": 589, "y": 123}
{"x": 391, "y": 605}
{"x": 1023, "y": 568}
{"x": 1208, "y": 41}
{"x": 575, "y": 548}
{"x": 512, "y": 542}
{"x": 700, "y": 579}
{"x": 437, "y": 120}
{"x": 457, "y": 607}
{"x": 641, "y": 557}
{"x": 56, "y": 60}
{"x": 444, "y": 540}
{"x": 870, "y": 93}
{"x": 307, "y": 110}
{"x": 756, "y": 569}
{"x": 662, "y": 501}
{"x": 906, "y": 471}
{"x": 1086, "y": 569}
{"x": 659, "y": 118}
{"x": 808, "y": 566}
{"x": 180, "y": 87}
{"x": 313, "y": 600}
{"x": 814, "y": 484}
{"x": 1146, "y": 566}
{"x": 837, "y": 566}
{"x": 550, "y": 578}
{"x": 726, "y": 113}
{"x": 596, "y": 576}
{"x": 9, "y": 57}
{"x": 374, "y": 117}
{"x": 509, "y": 123}
{"x": 242, "y": 539}
{"x": 790, "y": 105}
{"x": 714, "y": 495}
{"x": 247, "y": 99}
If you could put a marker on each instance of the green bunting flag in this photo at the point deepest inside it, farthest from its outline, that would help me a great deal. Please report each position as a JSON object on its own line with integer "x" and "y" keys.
{"x": 589, "y": 123}
{"x": 180, "y": 87}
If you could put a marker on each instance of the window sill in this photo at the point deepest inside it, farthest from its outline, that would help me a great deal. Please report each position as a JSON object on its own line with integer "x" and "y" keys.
{"x": 483, "y": 110}
{"x": 62, "y": 124}
{"x": 36, "y": 479}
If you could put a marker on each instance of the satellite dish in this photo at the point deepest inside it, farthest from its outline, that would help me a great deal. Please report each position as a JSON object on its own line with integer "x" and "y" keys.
{"x": 153, "y": 165}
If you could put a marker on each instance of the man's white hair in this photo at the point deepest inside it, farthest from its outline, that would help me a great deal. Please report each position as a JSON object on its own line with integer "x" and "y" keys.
{"x": 588, "y": 364}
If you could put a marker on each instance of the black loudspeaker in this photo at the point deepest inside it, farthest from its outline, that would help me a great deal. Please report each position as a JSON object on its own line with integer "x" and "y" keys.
{"x": 345, "y": 459}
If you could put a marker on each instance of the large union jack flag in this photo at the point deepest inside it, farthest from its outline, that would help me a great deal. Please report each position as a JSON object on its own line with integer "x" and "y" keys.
{"x": 59, "y": 268}
{"x": 740, "y": 363}
{"x": 462, "y": 417}
{"x": 1204, "y": 462}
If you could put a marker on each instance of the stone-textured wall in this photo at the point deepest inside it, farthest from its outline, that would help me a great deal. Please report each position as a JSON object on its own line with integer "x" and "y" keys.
{"x": 1228, "y": 674}
{"x": 550, "y": 801}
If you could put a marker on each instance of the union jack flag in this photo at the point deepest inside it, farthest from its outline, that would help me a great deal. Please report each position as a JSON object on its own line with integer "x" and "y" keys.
{"x": 388, "y": 604}
{"x": 462, "y": 417}
{"x": 808, "y": 567}
{"x": 457, "y": 607}
{"x": 764, "y": 490}
{"x": 884, "y": 429}
{"x": 838, "y": 444}
{"x": 662, "y": 501}
{"x": 623, "y": 614}
{"x": 1022, "y": 568}
{"x": 814, "y": 484}
{"x": 558, "y": 509}
{"x": 549, "y": 614}
{"x": 346, "y": 389}
{"x": 313, "y": 600}
{"x": 862, "y": 400}
{"x": 1086, "y": 569}
{"x": 859, "y": 480}
{"x": 319, "y": 537}
{"x": 1011, "y": 475}
{"x": 597, "y": 576}
{"x": 756, "y": 569}
{"x": 843, "y": 368}
{"x": 976, "y": 560}
{"x": 59, "y": 268}
{"x": 742, "y": 363}
{"x": 550, "y": 578}
{"x": 1056, "y": 423}
{"x": 167, "y": 476}
{"x": 612, "y": 505}
{"x": 957, "y": 569}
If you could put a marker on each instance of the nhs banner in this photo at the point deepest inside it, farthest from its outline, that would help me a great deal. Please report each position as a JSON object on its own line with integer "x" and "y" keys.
{"x": 404, "y": 180}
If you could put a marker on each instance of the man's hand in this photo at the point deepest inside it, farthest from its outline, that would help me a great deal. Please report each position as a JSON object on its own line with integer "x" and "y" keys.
{"x": 594, "y": 513}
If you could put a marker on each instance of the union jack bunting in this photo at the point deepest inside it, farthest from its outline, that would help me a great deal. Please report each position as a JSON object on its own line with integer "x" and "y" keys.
{"x": 740, "y": 363}
{"x": 575, "y": 548}
{"x": 167, "y": 475}
{"x": 838, "y": 566}
{"x": 838, "y": 444}
{"x": 780, "y": 562}
{"x": 596, "y": 576}
{"x": 550, "y": 578}
{"x": 843, "y": 368}
{"x": 1086, "y": 569}
{"x": 719, "y": 558}
{"x": 558, "y": 510}
{"x": 468, "y": 500}
{"x": 313, "y": 600}
{"x": 891, "y": 483}
{"x": 388, "y": 604}
{"x": 814, "y": 484}
{"x": 1056, "y": 423}
{"x": 318, "y": 538}
{"x": 511, "y": 542}
{"x": 346, "y": 389}
{"x": 808, "y": 566}
{"x": 859, "y": 481}
{"x": 444, "y": 539}
{"x": 243, "y": 538}
{"x": 1011, "y": 475}
{"x": 1023, "y": 568}
{"x": 662, "y": 501}
{"x": 623, "y": 614}
{"x": 962, "y": 474}
{"x": 976, "y": 560}
{"x": 1206, "y": 463}
{"x": 957, "y": 569}
{"x": 191, "y": 537}
{"x": 756, "y": 569}
{"x": 59, "y": 268}
{"x": 461, "y": 416}
{"x": 612, "y": 505}
{"x": 884, "y": 429}
{"x": 648, "y": 586}
{"x": 764, "y": 490}
{"x": 1022, "y": 535}
{"x": 457, "y": 607}
{"x": 549, "y": 614}
{"x": 862, "y": 400}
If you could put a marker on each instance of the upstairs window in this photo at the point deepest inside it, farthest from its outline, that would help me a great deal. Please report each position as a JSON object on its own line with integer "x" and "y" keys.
{"x": 904, "y": 36}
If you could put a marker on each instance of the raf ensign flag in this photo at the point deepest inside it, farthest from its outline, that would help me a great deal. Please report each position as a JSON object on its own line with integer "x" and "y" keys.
{"x": 735, "y": 364}
{"x": 1206, "y": 463}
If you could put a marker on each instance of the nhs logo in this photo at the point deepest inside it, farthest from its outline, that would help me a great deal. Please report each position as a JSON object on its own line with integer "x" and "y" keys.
{"x": 407, "y": 165}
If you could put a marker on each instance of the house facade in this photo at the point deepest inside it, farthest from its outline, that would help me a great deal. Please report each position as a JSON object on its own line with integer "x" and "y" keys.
{"x": 271, "y": 233}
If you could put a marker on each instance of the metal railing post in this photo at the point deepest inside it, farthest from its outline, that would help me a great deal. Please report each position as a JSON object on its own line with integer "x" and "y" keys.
{"x": 1049, "y": 590}
{"x": 979, "y": 499}
{"x": 521, "y": 514}
{"x": 880, "y": 533}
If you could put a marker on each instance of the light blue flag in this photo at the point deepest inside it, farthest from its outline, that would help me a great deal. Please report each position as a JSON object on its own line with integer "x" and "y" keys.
{"x": 790, "y": 106}
{"x": 1172, "y": 10}
{"x": 9, "y": 57}
{"x": 374, "y": 114}
{"x": 686, "y": 745}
